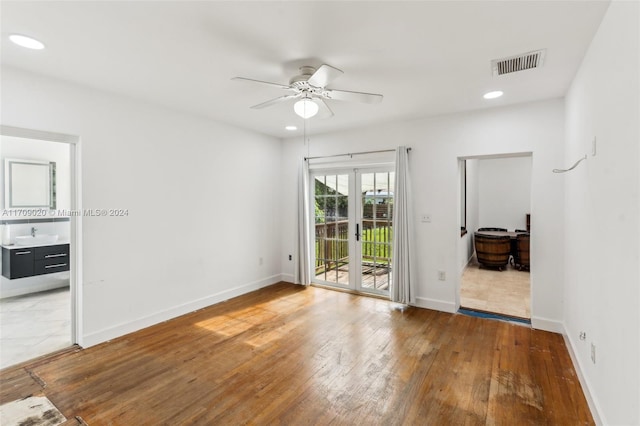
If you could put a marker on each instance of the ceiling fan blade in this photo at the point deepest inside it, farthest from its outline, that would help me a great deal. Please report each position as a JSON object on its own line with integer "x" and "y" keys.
{"x": 324, "y": 75}
{"x": 274, "y": 101}
{"x": 345, "y": 95}
{"x": 281, "y": 86}
{"x": 325, "y": 111}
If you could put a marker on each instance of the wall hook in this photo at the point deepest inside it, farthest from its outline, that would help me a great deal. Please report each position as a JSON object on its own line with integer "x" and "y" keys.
{"x": 572, "y": 167}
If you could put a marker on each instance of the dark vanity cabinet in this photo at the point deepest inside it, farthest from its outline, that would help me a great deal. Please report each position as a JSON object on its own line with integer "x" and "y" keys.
{"x": 50, "y": 259}
{"x": 29, "y": 261}
{"x": 17, "y": 263}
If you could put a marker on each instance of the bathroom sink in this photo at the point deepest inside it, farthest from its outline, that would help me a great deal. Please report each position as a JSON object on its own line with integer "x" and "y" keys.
{"x": 28, "y": 240}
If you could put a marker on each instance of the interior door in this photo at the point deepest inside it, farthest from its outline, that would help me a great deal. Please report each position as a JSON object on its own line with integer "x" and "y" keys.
{"x": 352, "y": 218}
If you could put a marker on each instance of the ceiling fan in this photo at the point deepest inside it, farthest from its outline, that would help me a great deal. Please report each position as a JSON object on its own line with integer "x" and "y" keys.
{"x": 310, "y": 90}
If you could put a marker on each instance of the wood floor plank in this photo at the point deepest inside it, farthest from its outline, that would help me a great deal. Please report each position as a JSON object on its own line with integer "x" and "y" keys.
{"x": 17, "y": 383}
{"x": 292, "y": 355}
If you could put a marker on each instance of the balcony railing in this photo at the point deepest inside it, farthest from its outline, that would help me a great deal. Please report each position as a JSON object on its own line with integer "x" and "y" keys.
{"x": 332, "y": 244}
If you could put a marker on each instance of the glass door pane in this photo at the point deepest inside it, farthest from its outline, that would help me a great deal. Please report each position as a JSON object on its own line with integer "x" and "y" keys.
{"x": 377, "y": 233}
{"x": 332, "y": 229}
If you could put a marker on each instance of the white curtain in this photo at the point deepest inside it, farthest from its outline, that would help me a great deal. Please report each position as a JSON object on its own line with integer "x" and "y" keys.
{"x": 303, "y": 256}
{"x": 403, "y": 277}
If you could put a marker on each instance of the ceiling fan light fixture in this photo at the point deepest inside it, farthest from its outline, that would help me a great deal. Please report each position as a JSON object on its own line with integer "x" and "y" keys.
{"x": 306, "y": 108}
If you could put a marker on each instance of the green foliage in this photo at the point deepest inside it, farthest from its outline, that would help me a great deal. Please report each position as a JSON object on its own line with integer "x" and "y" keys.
{"x": 319, "y": 213}
{"x": 376, "y": 242}
{"x": 329, "y": 203}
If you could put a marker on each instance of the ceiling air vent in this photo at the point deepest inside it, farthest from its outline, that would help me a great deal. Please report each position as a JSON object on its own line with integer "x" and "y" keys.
{"x": 517, "y": 63}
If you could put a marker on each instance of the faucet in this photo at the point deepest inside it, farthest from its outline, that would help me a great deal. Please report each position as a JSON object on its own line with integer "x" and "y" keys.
{"x": 33, "y": 231}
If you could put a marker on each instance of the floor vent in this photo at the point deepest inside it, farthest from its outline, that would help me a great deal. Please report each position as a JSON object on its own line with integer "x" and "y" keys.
{"x": 517, "y": 63}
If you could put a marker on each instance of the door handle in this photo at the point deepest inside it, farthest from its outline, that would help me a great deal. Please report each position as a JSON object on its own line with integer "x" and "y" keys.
{"x": 357, "y": 232}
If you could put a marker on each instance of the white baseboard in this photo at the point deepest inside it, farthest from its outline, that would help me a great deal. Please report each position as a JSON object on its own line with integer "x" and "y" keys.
{"x": 289, "y": 278}
{"x": 584, "y": 383}
{"x": 92, "y": 339}
{"x": 436, "y": 305}
{"x": 547, "y": 324}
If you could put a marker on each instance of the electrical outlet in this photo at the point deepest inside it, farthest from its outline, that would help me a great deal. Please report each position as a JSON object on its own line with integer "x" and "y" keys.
{"x": 593, "y": 353}
{"x": 426, "y": 217}
{"x": 442, "y": 275}
{"x": 583, "y": 335}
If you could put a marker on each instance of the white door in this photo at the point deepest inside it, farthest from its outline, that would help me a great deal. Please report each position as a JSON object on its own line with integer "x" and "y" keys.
{"x": 352, "y": 216}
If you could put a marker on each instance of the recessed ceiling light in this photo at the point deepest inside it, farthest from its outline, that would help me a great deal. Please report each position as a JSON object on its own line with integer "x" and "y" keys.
{"x": 291, "y": 128}
{"x": 493, "y": 95}
{"x": 28, "y": 42}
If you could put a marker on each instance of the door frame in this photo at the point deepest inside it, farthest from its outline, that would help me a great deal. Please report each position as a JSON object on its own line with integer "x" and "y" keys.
{"x": 355, "y": 217}
{"x": 469, "y": 234}
{"x": 75, "y": 239}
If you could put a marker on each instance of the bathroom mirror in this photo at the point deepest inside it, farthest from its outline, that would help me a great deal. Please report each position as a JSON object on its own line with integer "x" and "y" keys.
{"x": 30, "y": 184}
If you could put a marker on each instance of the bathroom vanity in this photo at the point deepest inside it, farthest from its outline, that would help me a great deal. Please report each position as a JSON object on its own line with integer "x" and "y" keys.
{"x": 21, "y": 261}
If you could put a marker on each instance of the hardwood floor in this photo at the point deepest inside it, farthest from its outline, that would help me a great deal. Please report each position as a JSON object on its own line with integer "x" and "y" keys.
{"x": 293, "y": 355}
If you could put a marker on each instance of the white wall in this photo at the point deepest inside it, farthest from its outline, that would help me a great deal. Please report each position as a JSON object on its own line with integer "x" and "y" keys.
{"x": 504, "y": 192}
{"x": 202, "y": 201}
{"x": 602, "y": 216}
{"x": 31, "y": 149}
{"x": 437, "y": 144}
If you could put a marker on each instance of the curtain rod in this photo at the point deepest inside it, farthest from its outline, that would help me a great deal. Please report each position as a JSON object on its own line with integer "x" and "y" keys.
{"x": 351, "y": 154}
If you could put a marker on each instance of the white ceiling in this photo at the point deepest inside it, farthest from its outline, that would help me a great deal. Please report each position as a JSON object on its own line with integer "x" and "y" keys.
{"x": 425, "y": 57}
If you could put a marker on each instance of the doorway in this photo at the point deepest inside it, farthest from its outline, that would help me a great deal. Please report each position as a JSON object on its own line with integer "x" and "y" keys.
{"x": 40, "y": 306}
{"x": 352, "y": 216}
{"x": 495, "y": 192}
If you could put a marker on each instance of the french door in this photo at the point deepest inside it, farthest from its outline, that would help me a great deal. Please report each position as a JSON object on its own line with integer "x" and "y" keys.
{"x": 352, "y": 216}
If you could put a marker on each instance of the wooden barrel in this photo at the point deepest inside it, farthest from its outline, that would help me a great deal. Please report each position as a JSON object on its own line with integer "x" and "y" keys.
{"x": 522, "y": 244}
{"x": 492, "y": 251}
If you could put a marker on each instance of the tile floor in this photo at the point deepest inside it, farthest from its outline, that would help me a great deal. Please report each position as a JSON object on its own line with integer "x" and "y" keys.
{"x": 504, "y": 292}
{"x": 33, "y": 325}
